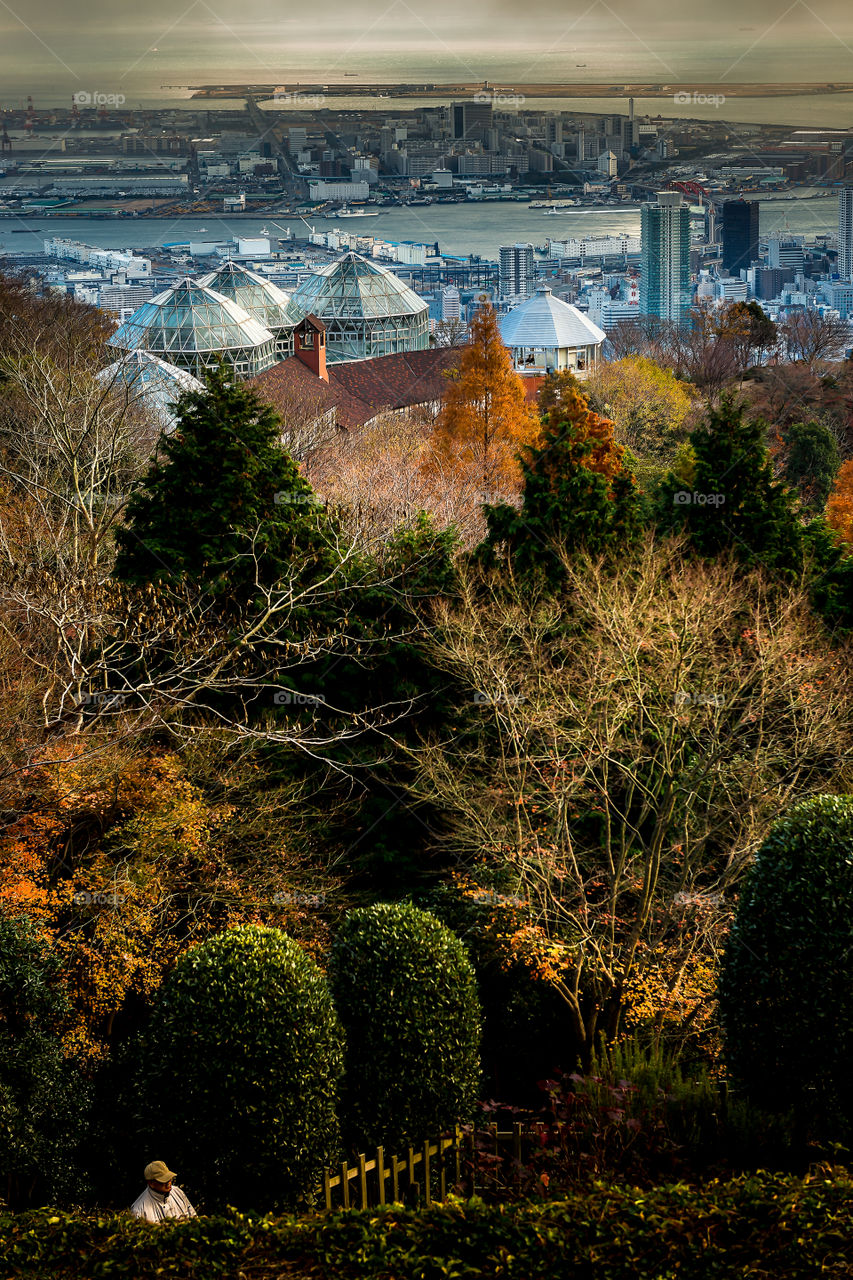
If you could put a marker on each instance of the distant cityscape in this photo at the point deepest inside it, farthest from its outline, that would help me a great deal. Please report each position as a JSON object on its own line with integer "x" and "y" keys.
{"x": 695, "y": 184}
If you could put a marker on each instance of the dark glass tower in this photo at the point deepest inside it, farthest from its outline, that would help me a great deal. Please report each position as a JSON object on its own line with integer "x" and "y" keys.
{"x": 740, "y": 235}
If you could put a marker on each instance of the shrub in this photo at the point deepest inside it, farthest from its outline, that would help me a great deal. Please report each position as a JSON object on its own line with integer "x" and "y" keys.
{"x": 762, "y": 1226}
{"x": 786, "y": 987}
{"x": 242, "y": 1066}
{"x": 43, "y": 1100}
{"x": 406, "y": 993}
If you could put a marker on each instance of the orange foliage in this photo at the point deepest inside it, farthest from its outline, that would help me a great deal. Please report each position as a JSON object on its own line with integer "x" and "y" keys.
{"x": 839, "y": 505}
{"x": 123, "y": 863}
{"x": 485, "y": 418}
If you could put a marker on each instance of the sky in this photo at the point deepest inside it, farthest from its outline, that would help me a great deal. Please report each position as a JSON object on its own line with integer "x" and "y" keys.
{"x": 108, "y": 45}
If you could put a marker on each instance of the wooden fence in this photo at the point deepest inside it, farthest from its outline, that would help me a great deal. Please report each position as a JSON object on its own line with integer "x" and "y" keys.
{"x": 425, "y": 1173}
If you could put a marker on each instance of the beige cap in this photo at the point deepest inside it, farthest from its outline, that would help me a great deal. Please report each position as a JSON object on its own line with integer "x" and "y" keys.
{"x": 157, "y": 1171}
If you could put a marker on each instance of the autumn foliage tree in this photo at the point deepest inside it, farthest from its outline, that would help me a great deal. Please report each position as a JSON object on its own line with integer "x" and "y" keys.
{"x": 485, "y": 418}
{"x": 839, "y": 505}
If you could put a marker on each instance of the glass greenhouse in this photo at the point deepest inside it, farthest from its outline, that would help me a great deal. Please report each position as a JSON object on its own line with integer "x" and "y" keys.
{"x": 193, "y": 327}
{"x": 151, "y": 381}
{"x": 263, "y": 300}
{"x": 366, "y": 309}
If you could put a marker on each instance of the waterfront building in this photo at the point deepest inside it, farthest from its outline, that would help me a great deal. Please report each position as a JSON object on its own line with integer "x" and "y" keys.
{"x": 365, "y": 308}
{"x": 740, "y": 235}
{"x": 516, "y": 271}
{"x": 607, "y": 164}
{"x": 262, "y": 299}
{"x": 546, "y": 336}
{"x": 665, "y": 289}
{"x": 191, "y": 326}
{"x": 845, "y": 232}
{"x": 320, "y": 190}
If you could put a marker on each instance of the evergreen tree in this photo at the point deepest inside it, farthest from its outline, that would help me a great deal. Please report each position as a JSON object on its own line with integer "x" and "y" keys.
{"x": 578, "y": 490}
{"x": 812, "y": 459}
{"x": 735, "y": 501}
{"x": 223, "y": 501}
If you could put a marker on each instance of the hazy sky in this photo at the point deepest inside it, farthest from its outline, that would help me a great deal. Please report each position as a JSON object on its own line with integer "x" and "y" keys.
{"x": 148, "y": 42}
{"x": 502, "y": 19}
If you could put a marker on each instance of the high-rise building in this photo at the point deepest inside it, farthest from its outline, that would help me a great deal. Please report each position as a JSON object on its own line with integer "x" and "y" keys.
{"x": 471, "y": 119}
{"x": 845, "y": 232}
{"x": 451, "y": 308}
{"x": 740, "y": 235}
{"x": 665, "y": 276}
{"x": 516, "y": 271}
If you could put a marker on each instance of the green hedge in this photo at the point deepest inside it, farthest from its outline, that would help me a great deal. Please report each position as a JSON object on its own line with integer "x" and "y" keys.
{"x": 764, "y": 1226}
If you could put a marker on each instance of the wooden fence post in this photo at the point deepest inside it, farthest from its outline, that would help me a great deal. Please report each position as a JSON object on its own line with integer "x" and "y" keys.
{"x": 427, "y": 1179}
{"x": 362, "y": 1181}
{"x": 380, "y": 1173}
{"x": 345, "y": 1183}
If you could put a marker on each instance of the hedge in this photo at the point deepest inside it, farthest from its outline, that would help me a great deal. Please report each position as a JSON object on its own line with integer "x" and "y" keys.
{"x": 406, "y": 993}
{"x": 763, "y": 1226}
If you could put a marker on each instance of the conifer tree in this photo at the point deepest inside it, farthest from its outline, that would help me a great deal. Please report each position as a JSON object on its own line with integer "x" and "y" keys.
{"x": 578, "y": 490}
{"x": 735, "y": 502}
{"x": 223, "y": 502}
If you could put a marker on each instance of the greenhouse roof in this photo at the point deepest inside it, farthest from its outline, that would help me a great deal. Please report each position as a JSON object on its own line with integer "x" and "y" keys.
{"x": 354, "y": 289}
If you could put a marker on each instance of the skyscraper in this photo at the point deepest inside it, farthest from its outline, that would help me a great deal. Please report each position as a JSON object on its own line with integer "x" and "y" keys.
{"x": 845, "y": 232}
{"x": 472, "y": 119}
{"x": 516, "y": 271}
{"x": 665, "y": 277}
{"x": 740, "y": 235}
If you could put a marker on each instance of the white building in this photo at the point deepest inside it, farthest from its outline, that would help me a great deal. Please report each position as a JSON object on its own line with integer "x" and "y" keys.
{"x": 839, "y": 295}
{"x": 451, "y": 308}
{"x": 321, "y": 190}
{"x": 607, "y": 164}
{"x": 730, "y": 290}
{"x": 546, "y": 335}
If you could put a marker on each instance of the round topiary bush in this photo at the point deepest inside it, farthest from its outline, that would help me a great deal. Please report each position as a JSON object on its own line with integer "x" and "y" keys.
{"x": 242, "y": 1067}
{"x": 786, "y": 987}
{"x": 407, "y": 996}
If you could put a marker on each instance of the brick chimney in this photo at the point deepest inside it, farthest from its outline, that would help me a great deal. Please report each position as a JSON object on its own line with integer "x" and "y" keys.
{"x": 310, "y": 345}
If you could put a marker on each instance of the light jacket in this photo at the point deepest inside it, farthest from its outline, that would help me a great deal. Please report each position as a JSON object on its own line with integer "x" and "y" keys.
{"x": 153, "y": 1206}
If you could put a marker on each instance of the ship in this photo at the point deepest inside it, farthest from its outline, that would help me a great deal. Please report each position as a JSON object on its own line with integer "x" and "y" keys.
{"x": 346, "y": 212}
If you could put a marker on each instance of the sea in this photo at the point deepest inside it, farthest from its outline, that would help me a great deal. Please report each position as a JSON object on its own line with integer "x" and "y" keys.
{"x": 459, "y": 229}
{"x": 156, "y": 62}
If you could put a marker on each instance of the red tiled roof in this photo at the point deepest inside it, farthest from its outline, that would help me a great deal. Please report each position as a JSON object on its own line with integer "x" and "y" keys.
{"x": 360, "y": 389}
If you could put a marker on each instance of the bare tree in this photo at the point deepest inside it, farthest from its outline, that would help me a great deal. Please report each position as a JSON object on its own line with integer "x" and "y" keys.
{"x": 627, "y": 766}
{"x": 813, "y": 338}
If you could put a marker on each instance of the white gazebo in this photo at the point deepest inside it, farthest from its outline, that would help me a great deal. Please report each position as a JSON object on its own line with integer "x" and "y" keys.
{"x": 546, "y": 336}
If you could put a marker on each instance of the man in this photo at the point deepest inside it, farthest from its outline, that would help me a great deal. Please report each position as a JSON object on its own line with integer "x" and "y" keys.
{"x": 161, "y": 1200}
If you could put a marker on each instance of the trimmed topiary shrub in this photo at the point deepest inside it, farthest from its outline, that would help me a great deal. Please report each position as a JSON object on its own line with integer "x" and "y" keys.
{"x": 786, "y": 987}
{"x": 407, "y": 996}
{"x": 242, "y": 1066}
